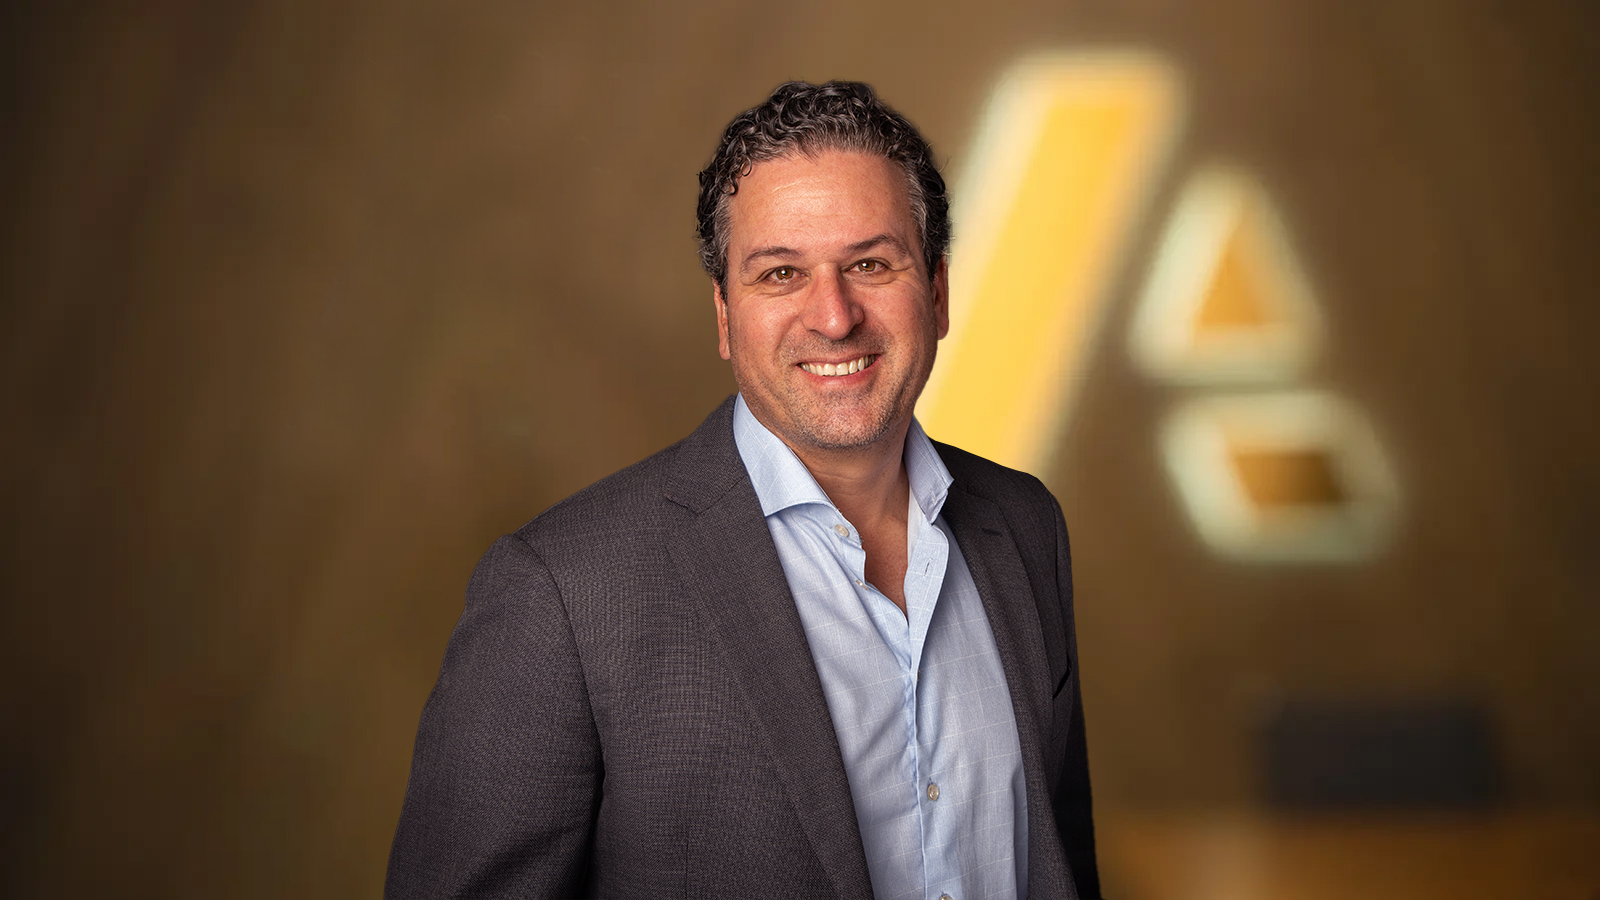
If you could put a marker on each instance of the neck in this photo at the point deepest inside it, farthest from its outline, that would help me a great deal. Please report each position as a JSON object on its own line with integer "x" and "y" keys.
{"x": 868, "y": 484}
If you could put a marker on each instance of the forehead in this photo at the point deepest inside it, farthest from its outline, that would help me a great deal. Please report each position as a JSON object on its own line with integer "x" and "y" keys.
{"x": 815, "y": 201}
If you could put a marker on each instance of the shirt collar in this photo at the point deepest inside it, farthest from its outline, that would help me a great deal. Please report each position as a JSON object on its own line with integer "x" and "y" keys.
{"x": 781, "y": 480}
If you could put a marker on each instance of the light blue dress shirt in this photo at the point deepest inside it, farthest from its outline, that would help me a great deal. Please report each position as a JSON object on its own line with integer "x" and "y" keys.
{"x": 919, "y": 701}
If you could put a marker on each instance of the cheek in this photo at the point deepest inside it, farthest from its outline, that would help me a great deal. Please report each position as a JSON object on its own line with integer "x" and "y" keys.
{"x": 759, "y": 329}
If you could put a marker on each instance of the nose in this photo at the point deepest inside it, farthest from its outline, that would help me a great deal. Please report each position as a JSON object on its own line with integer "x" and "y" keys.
{"x": 830, "y": 310}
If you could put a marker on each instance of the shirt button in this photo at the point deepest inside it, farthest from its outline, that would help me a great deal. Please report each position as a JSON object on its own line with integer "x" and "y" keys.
{"x": 933, "y": 791}
{"x": 843, "y": 531}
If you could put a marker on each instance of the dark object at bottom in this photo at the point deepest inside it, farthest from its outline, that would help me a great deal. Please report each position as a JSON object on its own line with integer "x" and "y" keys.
{"x": 1373, "y": 755}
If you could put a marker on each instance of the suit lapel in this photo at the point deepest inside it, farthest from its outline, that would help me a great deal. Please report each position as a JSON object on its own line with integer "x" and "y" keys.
{"x": 1002, "y": 582}
{"x": 729, "y": 566}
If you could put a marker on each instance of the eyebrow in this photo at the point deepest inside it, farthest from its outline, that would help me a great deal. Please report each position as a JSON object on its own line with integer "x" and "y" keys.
{"x": 877, "y": 240}
{"x": 765, "y": 253}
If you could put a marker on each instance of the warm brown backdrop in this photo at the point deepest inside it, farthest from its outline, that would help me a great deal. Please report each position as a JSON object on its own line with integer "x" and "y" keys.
{"x": 306, "y": 302}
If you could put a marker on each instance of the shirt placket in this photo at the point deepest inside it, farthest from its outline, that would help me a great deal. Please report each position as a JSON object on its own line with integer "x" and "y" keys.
{"x": 926, "y": 565}
{"x": 904, "y": 640}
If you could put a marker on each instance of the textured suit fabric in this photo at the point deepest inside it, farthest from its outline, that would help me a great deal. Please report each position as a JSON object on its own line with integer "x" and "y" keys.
{"x": 627, "y": 706}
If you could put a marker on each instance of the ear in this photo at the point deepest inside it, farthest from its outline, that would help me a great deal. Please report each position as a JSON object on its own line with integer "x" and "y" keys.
{"x": 722, "y": 319}
{"x": 941, "y": 298}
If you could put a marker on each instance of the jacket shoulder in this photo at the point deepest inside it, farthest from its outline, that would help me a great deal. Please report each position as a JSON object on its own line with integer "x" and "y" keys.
{"x": 976, "y": 475}
{"x": 629, "y": 500}
{"x": 626, "y": 507}
{"x": 1031, "y": 511}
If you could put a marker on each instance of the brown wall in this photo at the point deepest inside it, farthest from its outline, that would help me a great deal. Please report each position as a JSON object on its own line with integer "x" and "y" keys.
{"x": 305, "y": 303}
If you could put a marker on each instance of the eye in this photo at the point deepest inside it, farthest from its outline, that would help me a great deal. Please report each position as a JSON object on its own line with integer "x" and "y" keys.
{"x": 782, "y": 273}
{"x": 872, "y": 271}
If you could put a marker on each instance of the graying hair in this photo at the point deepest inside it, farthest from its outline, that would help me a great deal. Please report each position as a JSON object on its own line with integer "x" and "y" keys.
{"x": 809, "y": 118}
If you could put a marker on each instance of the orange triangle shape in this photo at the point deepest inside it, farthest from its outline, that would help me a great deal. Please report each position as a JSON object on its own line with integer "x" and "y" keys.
{"x": 1237, "y": 297}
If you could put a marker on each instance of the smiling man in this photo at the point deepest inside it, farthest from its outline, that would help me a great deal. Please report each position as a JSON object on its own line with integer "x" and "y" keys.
{"x": 806, "y": 651}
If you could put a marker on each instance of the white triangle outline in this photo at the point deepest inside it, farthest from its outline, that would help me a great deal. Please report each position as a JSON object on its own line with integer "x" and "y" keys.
{"x": 1163, "y": 339}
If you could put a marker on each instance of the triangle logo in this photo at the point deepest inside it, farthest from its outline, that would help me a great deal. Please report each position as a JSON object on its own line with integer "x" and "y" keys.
{"x": 1226, "y": 301}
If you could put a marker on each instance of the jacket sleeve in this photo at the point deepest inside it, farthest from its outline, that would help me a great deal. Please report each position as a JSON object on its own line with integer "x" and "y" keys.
{"x": 506, "y": 773}
{"x": 1071, "y": 803}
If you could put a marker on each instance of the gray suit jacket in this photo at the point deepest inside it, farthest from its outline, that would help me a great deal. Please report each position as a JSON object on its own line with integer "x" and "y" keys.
{"x": 628, "y": 707}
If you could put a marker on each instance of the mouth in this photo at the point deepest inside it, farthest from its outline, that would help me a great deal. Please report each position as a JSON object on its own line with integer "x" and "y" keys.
{"x": 834, "y": 370}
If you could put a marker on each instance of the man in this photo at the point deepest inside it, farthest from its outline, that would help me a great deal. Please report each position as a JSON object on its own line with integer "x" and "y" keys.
{"x": 806, "y": 651}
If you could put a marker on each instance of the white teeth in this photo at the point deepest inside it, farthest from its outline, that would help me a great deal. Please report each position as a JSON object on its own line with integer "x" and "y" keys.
{"x": 833, "y": 370}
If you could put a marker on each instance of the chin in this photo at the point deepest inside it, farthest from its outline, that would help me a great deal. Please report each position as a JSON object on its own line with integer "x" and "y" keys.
{"x": 848, "y": 433}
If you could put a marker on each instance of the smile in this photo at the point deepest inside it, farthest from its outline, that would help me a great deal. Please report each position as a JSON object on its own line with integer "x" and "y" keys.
{"x": 845, "y": 368}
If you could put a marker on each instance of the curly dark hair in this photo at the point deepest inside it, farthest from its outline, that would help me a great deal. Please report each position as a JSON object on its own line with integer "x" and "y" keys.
{"x": 809, "y": 118}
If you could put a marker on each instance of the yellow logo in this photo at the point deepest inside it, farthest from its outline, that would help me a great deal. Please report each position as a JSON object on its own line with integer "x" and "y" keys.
{"x": 1067, "y": 157}
{"x": 1069, "y": 152}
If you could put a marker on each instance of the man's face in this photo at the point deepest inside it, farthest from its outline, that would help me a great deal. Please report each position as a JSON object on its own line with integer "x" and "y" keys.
{"x": 830, "y": 320}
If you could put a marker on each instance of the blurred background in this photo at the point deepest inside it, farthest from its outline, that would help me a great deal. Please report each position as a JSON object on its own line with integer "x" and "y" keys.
{"x": 305, "y": 303}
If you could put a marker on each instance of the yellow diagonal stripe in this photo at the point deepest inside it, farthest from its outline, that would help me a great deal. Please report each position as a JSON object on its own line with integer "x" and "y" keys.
{"x": 1070, "y": 149}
